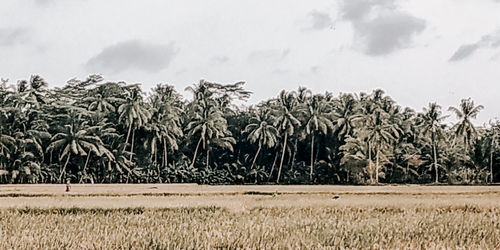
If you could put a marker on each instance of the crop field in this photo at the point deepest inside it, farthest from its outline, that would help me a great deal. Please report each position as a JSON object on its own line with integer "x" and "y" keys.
{"x": 164, "y": 216}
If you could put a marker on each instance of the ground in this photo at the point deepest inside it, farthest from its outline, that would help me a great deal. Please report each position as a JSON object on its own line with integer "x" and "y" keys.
{"x": 199, "y": 216}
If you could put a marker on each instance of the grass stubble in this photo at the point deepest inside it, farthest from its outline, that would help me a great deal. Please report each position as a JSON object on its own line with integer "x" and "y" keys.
{"x": 288, "y": 221}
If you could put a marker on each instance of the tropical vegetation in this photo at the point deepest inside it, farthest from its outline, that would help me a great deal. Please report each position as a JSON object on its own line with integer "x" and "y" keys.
{"x": 94, "y": 131}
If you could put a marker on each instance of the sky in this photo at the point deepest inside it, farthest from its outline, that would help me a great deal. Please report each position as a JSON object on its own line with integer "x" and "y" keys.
{"x": 417, "y": 51}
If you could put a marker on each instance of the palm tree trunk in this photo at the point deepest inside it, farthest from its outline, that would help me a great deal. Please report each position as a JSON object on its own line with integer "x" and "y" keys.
{"x": 377, "y": 164}
{"x": 208, "y": 157}
{"x": 108, "y": 172}
{"x": 85, "y": 167}
{"x": 128, "y": 135}
{"x": 317, "y": 149}
{"x": 282, "y": 157}
{"x": 434, "y": 152}
{"x": 491, "y": 166}
{"x": 256, "y": 154}
{"x": 312, "y": 158}
{"x": 370, "y": 163}
{"x": 165, "y": 153}
{"x": 272, "y": 167}
{"x": 157, "y": 167}
{"x": 132, "y": 145}
{"x": 154, "y": 157}
{"x": 196, "y": 152}
{"x": 294, "y": 154}
{"x": 407, "y": 171}
{"x": 64, "y": 168}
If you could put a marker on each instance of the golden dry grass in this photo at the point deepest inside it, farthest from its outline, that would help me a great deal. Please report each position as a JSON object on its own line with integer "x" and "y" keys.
{"x": 273, "y": 217}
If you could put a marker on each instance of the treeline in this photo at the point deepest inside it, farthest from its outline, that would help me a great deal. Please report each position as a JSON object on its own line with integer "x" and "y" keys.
{"x": 94, "y": 131}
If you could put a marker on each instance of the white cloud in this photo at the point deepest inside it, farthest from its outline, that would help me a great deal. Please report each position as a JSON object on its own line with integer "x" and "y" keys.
{"x": 467, "y": 50}
{"x": 464, "y": 51}
{"x": 380, "y": 27}
{"x": 132, "y": 55}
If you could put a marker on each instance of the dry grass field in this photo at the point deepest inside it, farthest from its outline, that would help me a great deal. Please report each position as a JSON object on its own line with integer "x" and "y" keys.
{"x": 256, "y": 217}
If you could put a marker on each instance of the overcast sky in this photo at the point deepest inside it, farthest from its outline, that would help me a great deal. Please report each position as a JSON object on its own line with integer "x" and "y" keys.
{"x": 418, "y": 51}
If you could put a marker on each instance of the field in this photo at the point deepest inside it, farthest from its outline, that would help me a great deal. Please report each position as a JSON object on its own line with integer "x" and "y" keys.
{"x": 196, "y": 216}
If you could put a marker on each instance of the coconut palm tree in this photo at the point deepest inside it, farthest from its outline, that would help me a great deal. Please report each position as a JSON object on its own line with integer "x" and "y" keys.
{"x": 319, "y": 120}
{"x": 345, "y": 115}
{"x": 166, "y": 120}
{"x": 285, "y": 108}
{"x": 493, "y": 137}
{"x": 6, "y": 144}
{"x": 431, "y": 124}
{"x": 210, "y": 126}
{"x": 207, "y": 117}
{"x": 379, "y": 135}
{"x": 260, "y": 129}
{"x": 101, "y": 103}
{"x": 75, "y": 140}
{"x": 464, "y": 127}
{"x": 134, "y": 113}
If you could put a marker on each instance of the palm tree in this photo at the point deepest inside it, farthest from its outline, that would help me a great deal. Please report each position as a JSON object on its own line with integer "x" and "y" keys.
{"x": 75, "y": 140}
{"x": 101, "y": 130}
{"x": 101, "y": 103}
{"x": 6, "y": 143}
{"x": 29, "y": 137}
{"x": 380, "y": 134}
{"x": 493, "y": 144}
{"x": 210, "y": 125}
{"x": 285, "y": 120}
{"x": 165, "y": 126}
{"x": 380, "y": 120}
{"x": 210, "y": 102}
{"x": 345, "y": 115}
{"x": 431, "y": 122}
{"x": 260, "y": 129}
{"x": 134, "y": 113}
{"x": 465, "y": 113}
{"x": 318, "y": 120}
{"x": 355, "y": 152}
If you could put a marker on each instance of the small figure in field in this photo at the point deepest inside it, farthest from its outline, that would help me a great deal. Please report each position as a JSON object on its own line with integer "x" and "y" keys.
{"x": 68, "y": 186}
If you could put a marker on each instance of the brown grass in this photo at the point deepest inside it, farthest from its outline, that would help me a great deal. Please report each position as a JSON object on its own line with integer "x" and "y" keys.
{"x": 275, "y": 217}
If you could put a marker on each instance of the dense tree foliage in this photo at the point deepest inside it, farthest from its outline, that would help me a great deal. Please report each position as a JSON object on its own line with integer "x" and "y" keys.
{"x": 94, "y": 131}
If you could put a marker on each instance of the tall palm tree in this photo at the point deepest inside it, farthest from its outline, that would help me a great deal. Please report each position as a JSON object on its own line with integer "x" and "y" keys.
{"x": 207, "y": 112}
{"x": 465, "y": 113}
{"x": 74, "y": 140}
{"x": 285, "y": 120}
{"x": 302, "y": 97}
{"x": 211, "y": 127}
{"x": 379, "y": 135}
{"x": 318, "y": 121}
{"x": 101, "y": 130}
{"x": 431, "y": 123}
{"x": 260, "y": 129}
{"x": 101, "y": 103}
{"x": 345, "y": 115}
{"x": 134, "y": 113}
{"x": 6, "y": 144}
{"x": 493, "y": 138}
{"x": 166, "y": 120}
{"x": 30, "y": 133}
